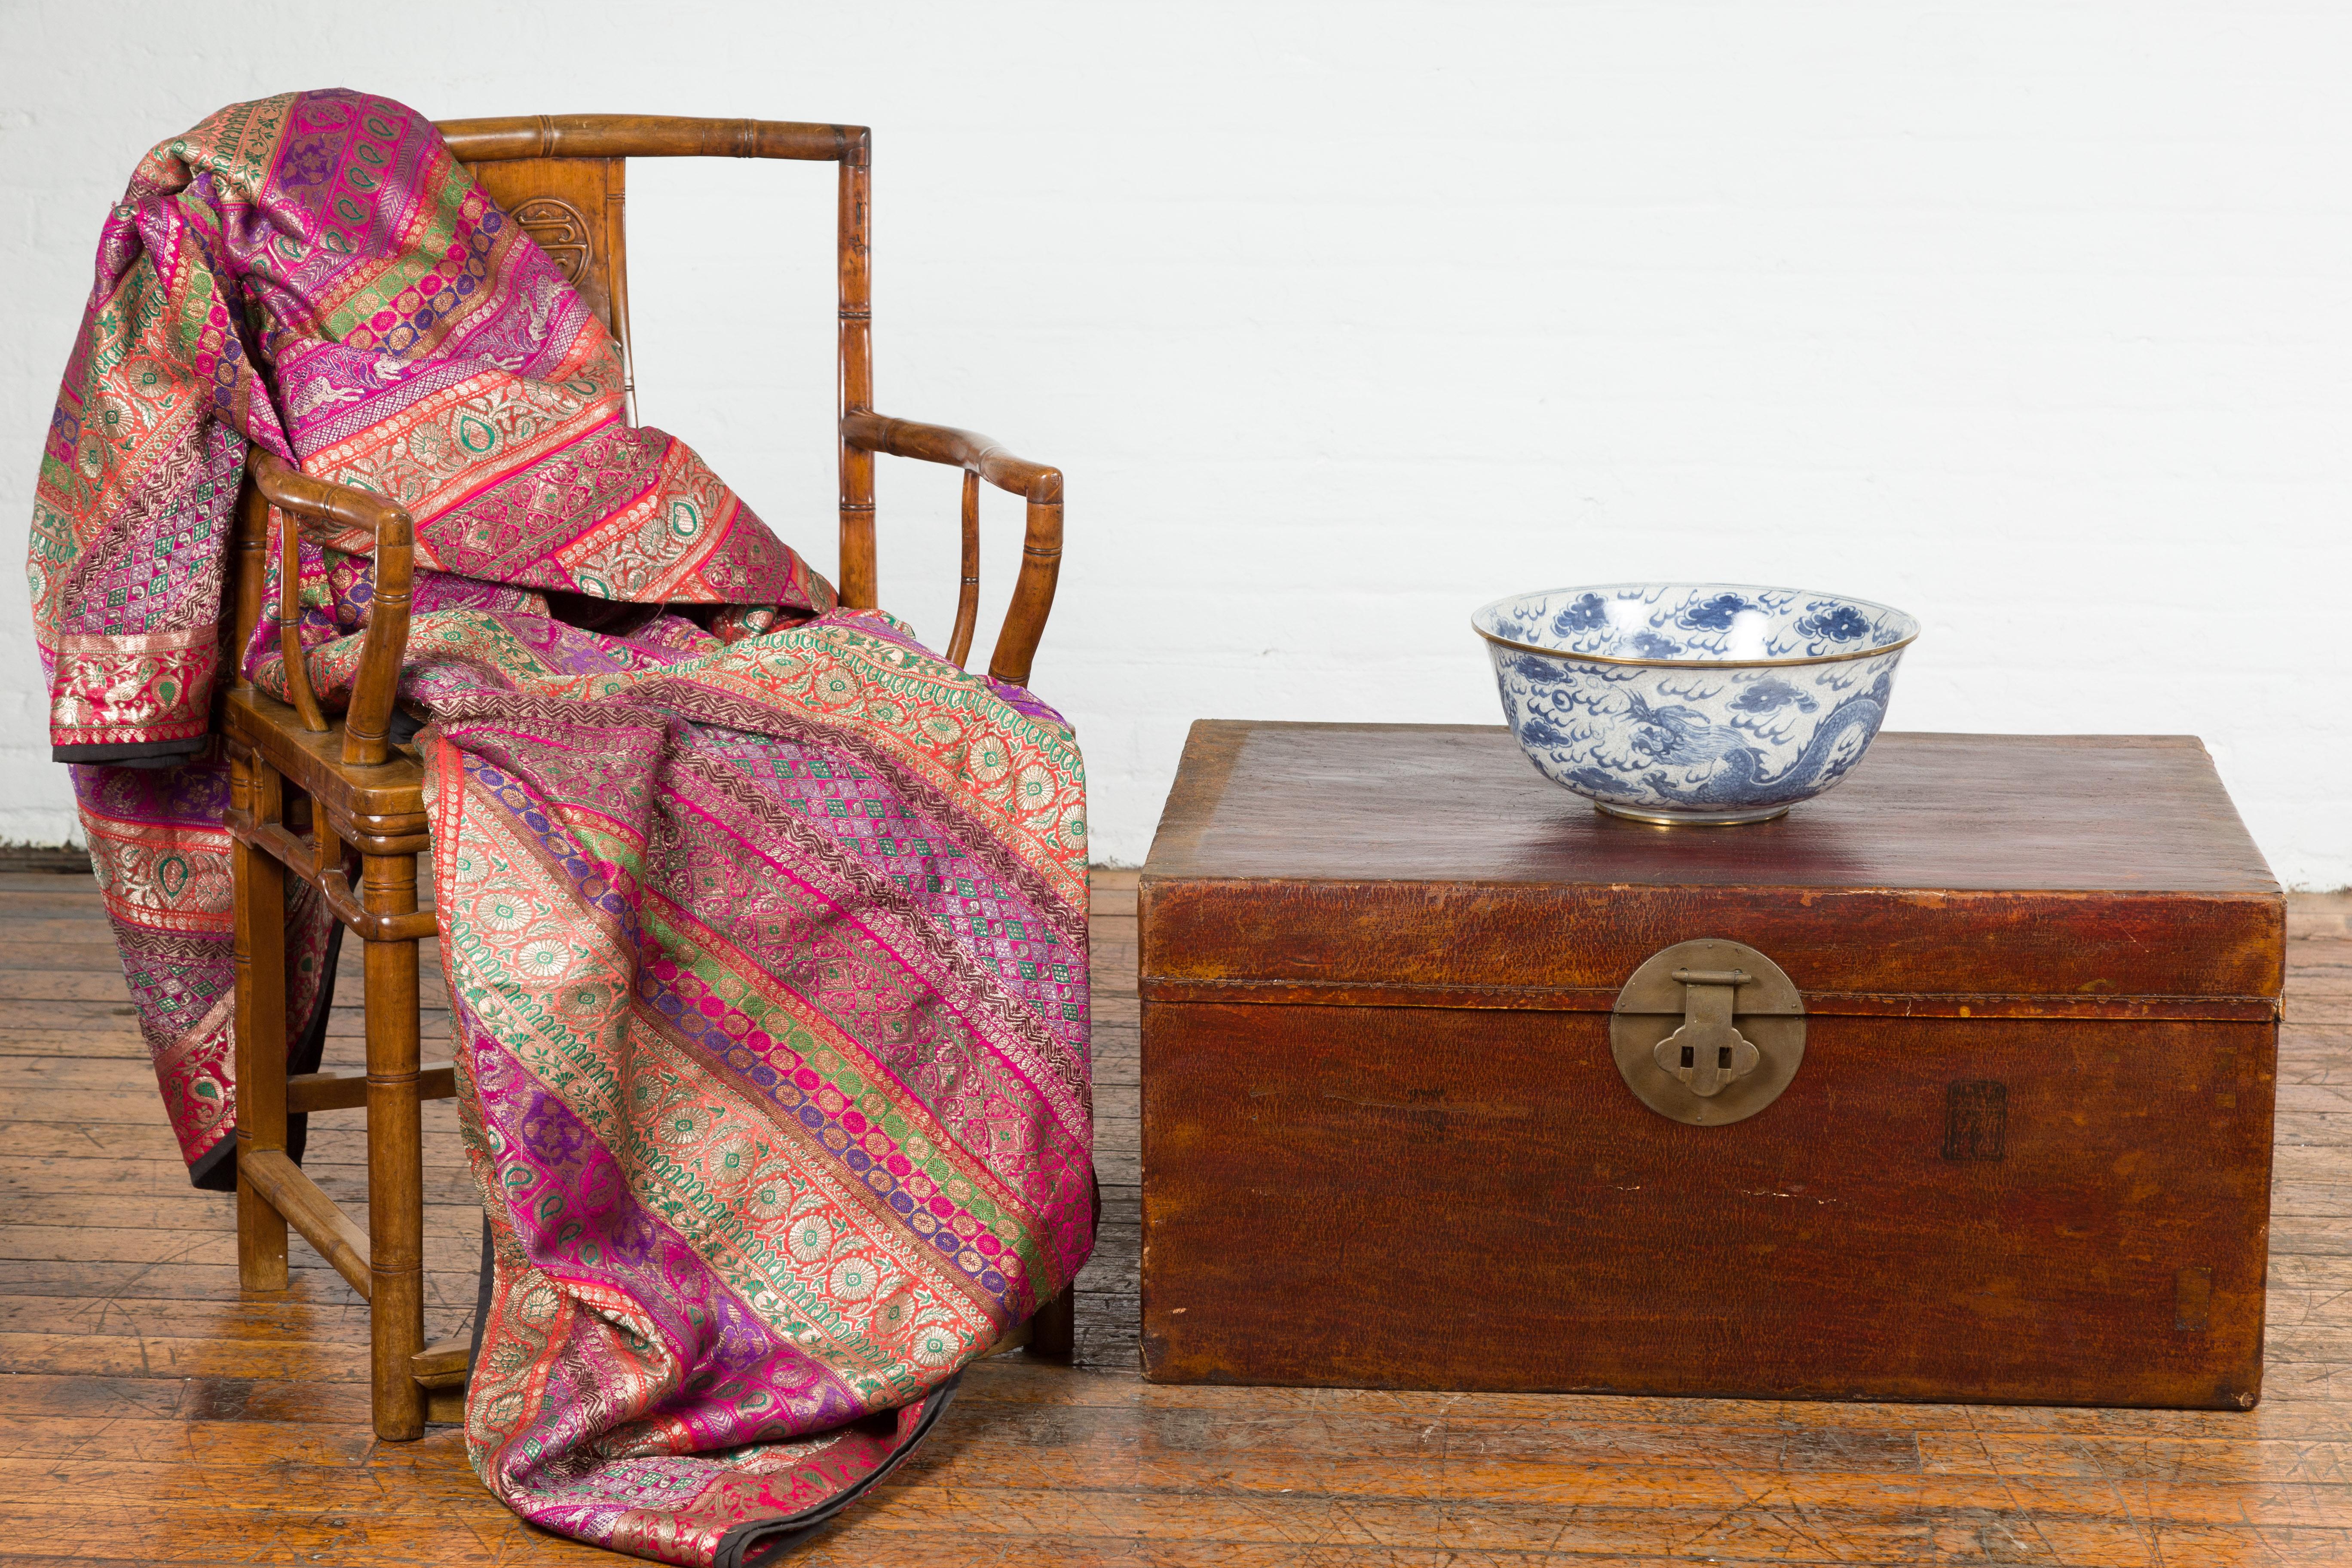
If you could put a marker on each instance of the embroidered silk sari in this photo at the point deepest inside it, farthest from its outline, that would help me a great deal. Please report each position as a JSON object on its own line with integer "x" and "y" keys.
{"x": 765, "y": 928}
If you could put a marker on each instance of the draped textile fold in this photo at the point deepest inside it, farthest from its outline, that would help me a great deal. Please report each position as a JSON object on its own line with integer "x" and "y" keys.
{"x": 764, "y": 926}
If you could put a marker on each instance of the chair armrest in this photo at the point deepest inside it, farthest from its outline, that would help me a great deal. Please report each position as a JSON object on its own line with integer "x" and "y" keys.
{"x": 367, "y": 723}
{"x": 1041, "y": 552}
{"x": 974, "y": 454}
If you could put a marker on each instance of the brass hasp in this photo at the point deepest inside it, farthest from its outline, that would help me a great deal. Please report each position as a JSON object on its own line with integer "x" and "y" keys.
{"x": 1708, "y": 1051}
{"x": 1708, "y": 1032}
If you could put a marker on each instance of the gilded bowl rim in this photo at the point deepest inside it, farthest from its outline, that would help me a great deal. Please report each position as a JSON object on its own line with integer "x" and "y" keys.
{"x": 1895, "y": 646}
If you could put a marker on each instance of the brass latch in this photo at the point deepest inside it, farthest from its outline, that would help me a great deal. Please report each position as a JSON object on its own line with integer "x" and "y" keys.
{"x": 1708, "y": 1051}
{"x": 1708, "y": 1032}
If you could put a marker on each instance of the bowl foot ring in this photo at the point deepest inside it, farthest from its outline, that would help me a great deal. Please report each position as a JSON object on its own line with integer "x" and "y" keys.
{"x": 1693, "y": 819}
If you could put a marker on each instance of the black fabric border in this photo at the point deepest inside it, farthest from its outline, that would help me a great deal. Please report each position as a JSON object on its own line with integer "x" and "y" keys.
{"x": 763, "y": 1540}
{"x": 156, "y": 754}
{"x": 215, "y": 1170}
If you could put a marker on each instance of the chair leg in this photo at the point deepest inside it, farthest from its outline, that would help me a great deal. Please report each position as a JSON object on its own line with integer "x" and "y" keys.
{"x": 395, "y": 1157}
{"x": 1052, "y": 1332}
{"x": 259, "y": 897}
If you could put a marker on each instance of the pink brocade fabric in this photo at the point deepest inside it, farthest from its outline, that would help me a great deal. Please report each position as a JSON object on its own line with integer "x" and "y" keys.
{"x": 772, "y": 968}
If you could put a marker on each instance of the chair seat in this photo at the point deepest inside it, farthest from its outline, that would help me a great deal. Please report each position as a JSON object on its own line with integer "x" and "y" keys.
{"x": 378, "y": 810}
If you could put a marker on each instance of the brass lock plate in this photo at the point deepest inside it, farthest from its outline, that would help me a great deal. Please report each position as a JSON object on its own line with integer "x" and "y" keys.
{"x": 1708, "y": 1032}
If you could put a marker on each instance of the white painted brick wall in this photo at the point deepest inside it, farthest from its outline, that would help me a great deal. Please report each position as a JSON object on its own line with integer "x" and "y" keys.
{"x": 2035, "y": 318}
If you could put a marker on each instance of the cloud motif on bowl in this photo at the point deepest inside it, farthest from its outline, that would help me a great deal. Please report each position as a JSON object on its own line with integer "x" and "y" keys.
{"x": 1694, "y": 702}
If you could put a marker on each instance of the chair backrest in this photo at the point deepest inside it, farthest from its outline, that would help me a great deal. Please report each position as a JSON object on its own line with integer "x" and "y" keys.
{"x": 562, "y": 178}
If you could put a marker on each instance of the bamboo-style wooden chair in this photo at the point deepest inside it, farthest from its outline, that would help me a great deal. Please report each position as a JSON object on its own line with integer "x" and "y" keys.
{"x": 309, "y": 792}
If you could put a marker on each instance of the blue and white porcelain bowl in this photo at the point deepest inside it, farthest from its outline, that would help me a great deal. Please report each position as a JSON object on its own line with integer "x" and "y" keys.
{"x": 1694, "y": 702}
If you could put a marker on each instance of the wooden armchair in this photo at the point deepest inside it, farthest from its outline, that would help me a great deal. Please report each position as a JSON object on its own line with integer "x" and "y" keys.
{"x": 309, "y": 793}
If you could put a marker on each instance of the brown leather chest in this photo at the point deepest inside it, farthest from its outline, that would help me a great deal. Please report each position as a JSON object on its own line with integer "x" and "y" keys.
{"x": 2006, "y": 1136}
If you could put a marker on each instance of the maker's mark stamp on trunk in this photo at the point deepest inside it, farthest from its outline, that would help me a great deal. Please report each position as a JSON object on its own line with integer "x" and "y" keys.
{"x": 1976, "y": 1121}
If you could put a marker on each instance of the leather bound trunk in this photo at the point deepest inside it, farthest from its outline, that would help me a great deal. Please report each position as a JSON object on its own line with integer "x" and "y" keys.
{"x": 2025, "y": 1156}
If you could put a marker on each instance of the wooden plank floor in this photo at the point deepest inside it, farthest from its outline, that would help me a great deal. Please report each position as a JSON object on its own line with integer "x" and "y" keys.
{"x": 147, "y": 1415}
